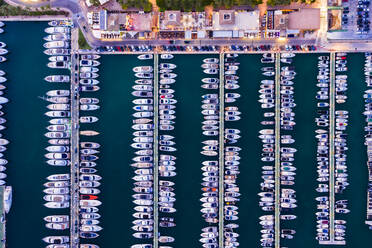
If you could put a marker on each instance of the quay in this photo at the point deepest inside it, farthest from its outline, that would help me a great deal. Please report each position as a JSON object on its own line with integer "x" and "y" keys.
{"x": 277, "y": 151}
{"x": 332, "y": 72}
{"x": 221, "y": 153}
{"x": 74, "y": 167}
{"x": 156, "y": 150}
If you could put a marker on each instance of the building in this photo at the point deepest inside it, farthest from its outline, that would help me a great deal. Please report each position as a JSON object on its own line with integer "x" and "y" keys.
{"x": 304, "y": 19}
{"x": 291, "y": 23}
{"x": 103, "y": 19}
{"x": 89, "y": 3}
{"x": 234, "y": 24}
{"x": 170, "y": 20}
{"x": 102, "y": 2}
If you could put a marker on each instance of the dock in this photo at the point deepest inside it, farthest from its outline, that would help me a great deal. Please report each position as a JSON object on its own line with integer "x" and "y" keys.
{"x": 3, "y": 221}
{"x": 156, "y": 151}
{"x": 277, "y": 151}
{"x": 332, "y": 98}
{"x": 332, "y": 147}
{"x": 221, "y": 162}
{"x": 74, "y": 167}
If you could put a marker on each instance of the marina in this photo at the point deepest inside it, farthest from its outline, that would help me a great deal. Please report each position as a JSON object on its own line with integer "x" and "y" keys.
{"x": 115, "y": 121}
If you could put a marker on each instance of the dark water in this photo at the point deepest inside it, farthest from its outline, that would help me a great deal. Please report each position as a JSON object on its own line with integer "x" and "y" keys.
{"x": 27, "y": 168}
{"x": 26, "y": 68}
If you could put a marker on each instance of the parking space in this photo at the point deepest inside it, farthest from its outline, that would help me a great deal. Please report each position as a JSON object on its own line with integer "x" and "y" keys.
{"x": 355, "y": 16}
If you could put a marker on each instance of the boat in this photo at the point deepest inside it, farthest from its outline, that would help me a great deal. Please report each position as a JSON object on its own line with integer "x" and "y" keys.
{"x": 144, "y": 75}
{"x": 211, "y": 60}
{"x": 210, "y": 71}
{"x": 53, "y": 30}
{"x": 56, "y": 44}
{"x": 56, "y": 205}
{"x": 3, "y": 100}
{"x": 57, "y": 37}
{"x": 59, "y": 58}
{"x": 90, "y": 228}
{"x": 7, "y": 198}
{"x": 146, "y": 56}
{"x": 88, "y": 75}
{"x": 166, "y": 56}
{"x": 143, "y": 69}
{"x": 89, "y": 88}
{"x": 88, "y": 119}
{"x": 3, "y": 51}
{"x": 89, "y": 107}
{"x": 89, "y": 203}
{"x": 88, "y": 235}
{"x": 166, "y": 239}
{"x": 88, "y": 69}
{"x": 89, "y": 62}
{"x": 89, "y": 133}
{"x": 88, "y": 81}
{"x": 56, "y": 239}
{"x": 58, "y": 177}
{"x": 57, "y": 51}
{"x": 57, "y": 78}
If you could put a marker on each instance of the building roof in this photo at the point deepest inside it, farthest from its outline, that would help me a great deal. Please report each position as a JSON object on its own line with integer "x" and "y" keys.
{"x": 103, "y": 20}
{"x": 280, "y": 20}
{"x": 141, "y": 22}
{"x": 304, "y": 19}
{"x": 227, "y": 17}
{"x": 103, "y": 1}
{"x": 172, "y": 18}
{"x": 243, "y": 20}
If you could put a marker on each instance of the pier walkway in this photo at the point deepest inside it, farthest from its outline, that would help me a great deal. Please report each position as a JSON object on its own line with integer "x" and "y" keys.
{"x": 2, "y": 222}
{"x": 332, "y": 106}
{"x": 156, "y": 151}
{"x": 221, "y": 153}
{"x": 277, "y": 151}
{"x": 74, "y": 88}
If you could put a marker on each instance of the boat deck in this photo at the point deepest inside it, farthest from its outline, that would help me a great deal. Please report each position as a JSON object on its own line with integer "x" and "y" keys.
{"x": 221, "y": 152}
{"x": 156, "y": 150}
{"x": 74, "y": 168}
{"x": 277, "y": 150}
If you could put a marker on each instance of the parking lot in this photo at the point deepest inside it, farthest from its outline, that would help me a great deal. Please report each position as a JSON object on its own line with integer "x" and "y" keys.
{"x": 355, "y": 16}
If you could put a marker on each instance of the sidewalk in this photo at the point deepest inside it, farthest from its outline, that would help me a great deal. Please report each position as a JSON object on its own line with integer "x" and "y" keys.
{"x": 31, "y": 5}
{"x": 33, "y": 18}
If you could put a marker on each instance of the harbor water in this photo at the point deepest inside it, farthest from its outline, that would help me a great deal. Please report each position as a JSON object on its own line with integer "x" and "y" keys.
{"x": 26, "y": 68}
